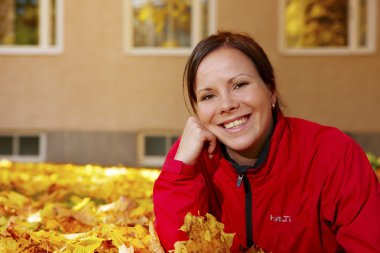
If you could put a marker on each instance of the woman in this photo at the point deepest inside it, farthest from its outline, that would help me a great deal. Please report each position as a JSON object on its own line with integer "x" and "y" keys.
{"x": 279, "y": 183}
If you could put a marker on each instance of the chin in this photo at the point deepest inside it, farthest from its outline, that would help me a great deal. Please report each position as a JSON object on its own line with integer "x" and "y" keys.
{"x": 239, "y": 145}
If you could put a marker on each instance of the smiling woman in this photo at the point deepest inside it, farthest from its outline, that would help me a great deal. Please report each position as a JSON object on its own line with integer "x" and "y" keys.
{"x": 238, "y": 108}
{"x": 306, "y": 187}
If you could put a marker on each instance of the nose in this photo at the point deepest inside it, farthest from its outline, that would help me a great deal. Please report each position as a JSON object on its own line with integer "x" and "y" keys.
{"x": 228, "y": 104}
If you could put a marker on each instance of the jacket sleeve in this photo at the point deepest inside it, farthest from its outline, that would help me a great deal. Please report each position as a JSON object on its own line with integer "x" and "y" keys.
{"x": 352, "y": 202}
{"x": 179, "y": 189}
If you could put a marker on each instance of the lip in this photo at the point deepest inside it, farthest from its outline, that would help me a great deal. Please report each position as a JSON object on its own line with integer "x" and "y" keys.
{"x": 234, "y": 119}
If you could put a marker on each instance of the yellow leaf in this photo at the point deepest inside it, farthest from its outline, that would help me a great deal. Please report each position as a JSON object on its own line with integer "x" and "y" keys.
{"x": 154, "y": 242}
{"x": 81, "y": 204}
{"x": 205, "y": 235}
{"x": 124, "y": 249}
{"x": 114, "y": 233}
{"x": 84, "y": 245}
{"x": 8, "y": 245}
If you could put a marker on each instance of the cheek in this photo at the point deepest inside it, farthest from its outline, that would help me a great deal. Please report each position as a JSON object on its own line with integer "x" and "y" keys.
{"x": 205, "y": 113}
{"x": 259, "y": 100}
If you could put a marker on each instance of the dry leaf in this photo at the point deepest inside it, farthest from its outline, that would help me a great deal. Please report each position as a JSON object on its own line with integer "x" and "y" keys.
{"x": 205, "y": 235}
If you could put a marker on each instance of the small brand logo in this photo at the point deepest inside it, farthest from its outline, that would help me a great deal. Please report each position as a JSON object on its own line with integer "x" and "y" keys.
{"x": 281, "y": 218}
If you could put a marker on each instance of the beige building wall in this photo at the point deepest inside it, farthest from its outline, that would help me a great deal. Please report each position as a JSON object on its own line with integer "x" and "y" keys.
{"x": 95, "y": 86}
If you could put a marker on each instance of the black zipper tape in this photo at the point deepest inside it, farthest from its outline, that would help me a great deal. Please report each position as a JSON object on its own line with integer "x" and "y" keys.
{"x": 248, "y": 211}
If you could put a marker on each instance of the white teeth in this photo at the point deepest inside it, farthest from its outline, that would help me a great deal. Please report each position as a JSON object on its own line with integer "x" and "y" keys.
{"x": 236, "y": 123}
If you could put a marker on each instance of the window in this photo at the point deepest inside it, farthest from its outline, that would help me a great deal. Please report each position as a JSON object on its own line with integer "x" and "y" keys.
{"x": 31, "y": 26}
{"x": 23, "y": 148}
{"x": 167, "y": 26}
{"x": 327, "y": 27}
{"x": 153, "y": 147}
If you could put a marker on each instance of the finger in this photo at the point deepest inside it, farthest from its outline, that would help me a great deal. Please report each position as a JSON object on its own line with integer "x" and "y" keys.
{"x": 210, "y": 138}
{"x": 212, "y": 145}
{"x": 212, "y": 141}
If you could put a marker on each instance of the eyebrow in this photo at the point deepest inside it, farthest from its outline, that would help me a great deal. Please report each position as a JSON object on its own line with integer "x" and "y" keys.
{"x": 238, "y": 75}
{"x": 229, "y": 81}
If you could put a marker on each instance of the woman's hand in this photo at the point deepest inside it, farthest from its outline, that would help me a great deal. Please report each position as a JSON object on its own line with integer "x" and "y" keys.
{"x": 193, "y": 139}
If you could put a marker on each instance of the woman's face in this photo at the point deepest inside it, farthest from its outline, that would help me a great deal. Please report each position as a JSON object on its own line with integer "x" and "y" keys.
{"x": 233, "y": 102}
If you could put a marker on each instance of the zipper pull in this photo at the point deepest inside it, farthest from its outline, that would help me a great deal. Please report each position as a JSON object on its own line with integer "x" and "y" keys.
{"x": 239, "y": 180}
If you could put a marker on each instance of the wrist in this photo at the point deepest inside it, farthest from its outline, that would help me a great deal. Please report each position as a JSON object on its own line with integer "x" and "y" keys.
{"x": 178, "y": 167}
{"x": 184, "y": 160}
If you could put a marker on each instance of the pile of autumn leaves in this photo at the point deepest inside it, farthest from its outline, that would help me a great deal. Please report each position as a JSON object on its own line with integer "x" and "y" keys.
{"x": 79, "y": 209}
{"x": 375, "y": 163}
{"x": 67, "y": 208}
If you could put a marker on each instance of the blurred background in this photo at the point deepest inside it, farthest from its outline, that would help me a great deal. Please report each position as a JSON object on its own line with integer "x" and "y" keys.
{"x": 99, "y": 81}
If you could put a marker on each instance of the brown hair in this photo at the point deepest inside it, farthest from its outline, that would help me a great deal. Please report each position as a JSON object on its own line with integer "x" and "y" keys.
{"x": 241, "y": 42}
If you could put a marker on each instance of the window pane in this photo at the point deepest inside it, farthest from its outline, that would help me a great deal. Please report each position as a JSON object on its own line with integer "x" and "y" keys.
{"x": 362, "y": 26}
{"x": 162, "y": 23}
{"x": 19, "y": 22}
{"x": 155, "y": 145}
{"x": 6, "y": 145}
{"x": 29, "y": 145}
{"x": 314, "y": 23}
{"x": 173, "y": 139}
{"x": 53, "y": 22}
{"x": 205, "y": 17}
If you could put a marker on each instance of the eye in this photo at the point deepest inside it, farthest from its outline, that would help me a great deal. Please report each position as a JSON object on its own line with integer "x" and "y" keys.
{"x": 240, "y": 85}
{"x": 207, "y": 97}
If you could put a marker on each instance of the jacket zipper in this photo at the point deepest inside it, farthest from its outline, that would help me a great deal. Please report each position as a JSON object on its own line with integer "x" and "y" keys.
{"x": 248, "y": 207}
{"x": 239, "y": 180}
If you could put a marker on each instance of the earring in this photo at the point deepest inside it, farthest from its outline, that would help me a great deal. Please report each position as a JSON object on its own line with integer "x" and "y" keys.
{"x": 273, "y": 105}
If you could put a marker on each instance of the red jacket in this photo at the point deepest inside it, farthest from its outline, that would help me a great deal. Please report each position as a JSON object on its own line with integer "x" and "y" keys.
{"x": 315, "y": 191}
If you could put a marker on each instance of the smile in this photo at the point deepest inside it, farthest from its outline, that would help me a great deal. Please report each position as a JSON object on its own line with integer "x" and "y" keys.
{"x": 236, "y": 123}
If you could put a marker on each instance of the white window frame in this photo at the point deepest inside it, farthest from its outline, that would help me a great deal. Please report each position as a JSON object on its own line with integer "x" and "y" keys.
{"x": 16, "y": 157}
{"x": 153, "y": 161}
{"x": 44, "y": 36}
{"x": 352, "y": 48}
{"x": 196, "y": 31}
